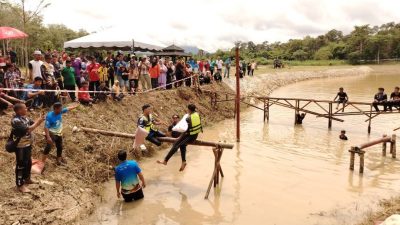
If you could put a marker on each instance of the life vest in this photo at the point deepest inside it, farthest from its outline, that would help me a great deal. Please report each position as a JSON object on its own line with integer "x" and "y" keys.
{"x": 149, "y": 123}
{"x": 195, "y": 127}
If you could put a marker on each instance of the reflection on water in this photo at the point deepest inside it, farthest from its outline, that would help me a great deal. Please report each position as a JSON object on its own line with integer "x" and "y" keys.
{"x": 278, "y": 174}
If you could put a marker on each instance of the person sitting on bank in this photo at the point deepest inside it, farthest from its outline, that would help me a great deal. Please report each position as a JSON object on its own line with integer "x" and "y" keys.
{"x": 300, "y": 118}
{"x": 342, "y": 98}
{"x": 194, "y": 128}
{"x": 394, "y": 99}
{"x": 84, "y": 96}
{"x": 126, "y": 178}
{"x": 147, "y": 122}
{"x": 7, "y": 101}
{"x": 53, "y": 129}
{"x": 22, "y": 128}
{"x": 34, "y": 96}
{"x": 380, "y": 98}
{"x": 343, "y": 136}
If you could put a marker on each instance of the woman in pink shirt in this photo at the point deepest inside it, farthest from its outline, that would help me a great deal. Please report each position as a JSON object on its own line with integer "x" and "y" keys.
{"x": 162, "y": 79}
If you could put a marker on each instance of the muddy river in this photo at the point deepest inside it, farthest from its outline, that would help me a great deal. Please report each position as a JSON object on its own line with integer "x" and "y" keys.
{"x": 278, "y": 174}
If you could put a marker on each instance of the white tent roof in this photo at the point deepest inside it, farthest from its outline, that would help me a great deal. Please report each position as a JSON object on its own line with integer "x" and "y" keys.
{"x": 111, "y": 38}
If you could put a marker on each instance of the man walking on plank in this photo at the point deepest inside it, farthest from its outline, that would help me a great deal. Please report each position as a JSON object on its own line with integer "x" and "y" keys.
{"x": 187, "y": 137}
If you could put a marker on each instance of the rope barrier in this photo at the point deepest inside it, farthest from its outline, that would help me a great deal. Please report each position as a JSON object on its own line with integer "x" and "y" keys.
{"x": 103, "y": 92}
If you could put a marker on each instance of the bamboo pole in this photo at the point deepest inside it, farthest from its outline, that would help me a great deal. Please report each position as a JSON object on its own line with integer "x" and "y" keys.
{"x": 237, "y": 95}
{"x": 384, "y": 146}
{"x": 361, "y": 161}
{"x": 393, "y": 146}
{"x": 352, "y": 157}
{"x": 162, "y": 139}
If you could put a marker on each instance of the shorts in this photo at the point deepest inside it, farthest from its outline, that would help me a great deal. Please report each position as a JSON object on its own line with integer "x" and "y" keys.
{"x": 133, "y": 196}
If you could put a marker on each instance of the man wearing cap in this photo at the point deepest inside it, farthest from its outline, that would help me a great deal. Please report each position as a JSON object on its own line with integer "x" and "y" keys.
{"x": 35, "y": 66}
{"x": 53, "y": 129}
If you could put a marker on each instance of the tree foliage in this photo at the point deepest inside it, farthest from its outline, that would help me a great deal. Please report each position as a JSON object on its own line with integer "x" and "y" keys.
{"x": 363, "y": 43}
{"x": 41, "y": 36}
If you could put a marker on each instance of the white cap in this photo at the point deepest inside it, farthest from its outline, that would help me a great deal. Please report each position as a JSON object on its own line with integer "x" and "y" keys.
{"x": 37, "y": 52}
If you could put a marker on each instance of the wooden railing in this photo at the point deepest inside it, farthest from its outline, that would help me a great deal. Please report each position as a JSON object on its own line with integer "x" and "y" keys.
{"x": 360, "y": 150}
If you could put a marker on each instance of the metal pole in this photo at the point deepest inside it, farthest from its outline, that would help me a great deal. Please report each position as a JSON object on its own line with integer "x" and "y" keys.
{"x": 237, "y": 95}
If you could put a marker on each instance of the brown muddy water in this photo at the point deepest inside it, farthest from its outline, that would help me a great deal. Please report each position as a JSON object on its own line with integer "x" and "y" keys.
{"x": 278, "y": 174}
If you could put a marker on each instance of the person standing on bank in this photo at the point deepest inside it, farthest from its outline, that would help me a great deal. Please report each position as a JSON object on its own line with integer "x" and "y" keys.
{"x": 53, "y": 129}
{"x": 147, "y": 122}
{"x": 126, "y": 178}
{"x": 194, "y": 128}
{"x": 22, "y": 128}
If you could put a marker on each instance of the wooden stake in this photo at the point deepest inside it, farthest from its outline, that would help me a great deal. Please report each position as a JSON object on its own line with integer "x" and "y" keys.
{"x": 384, "y": 146}
{"x": 352, "y": 156}
{"x": 361, "y": 161}
{"x": 393, "y": 146}
{"x": 330, "y": 115}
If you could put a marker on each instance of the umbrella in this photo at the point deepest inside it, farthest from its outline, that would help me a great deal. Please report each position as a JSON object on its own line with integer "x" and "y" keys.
{"x": 11, "y": 33}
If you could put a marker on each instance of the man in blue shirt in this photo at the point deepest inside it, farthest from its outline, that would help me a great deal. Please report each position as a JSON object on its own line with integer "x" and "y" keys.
{"x": 126, "y": 178}
{"x": 33, "y": 98}
{"x": 53, "y": 129}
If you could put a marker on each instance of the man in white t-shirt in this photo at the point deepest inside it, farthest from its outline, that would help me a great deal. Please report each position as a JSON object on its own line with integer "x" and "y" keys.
{"x": 219, "y": 63}
{"x": 35, "y": 66}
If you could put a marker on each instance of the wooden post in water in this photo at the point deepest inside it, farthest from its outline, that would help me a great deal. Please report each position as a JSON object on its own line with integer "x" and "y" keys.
{"x": 330, "y": 115}
{"x": 217, "y": 170}
{"x": 361, "y": 161}
{"x": 384, "y": 146}
{"x": 352, "y": 156}
{"x": 296, "y": 111}
{"x": 370, "y": 120}
{"x": 393, "y": 146}
{"x": 237, "y": 94}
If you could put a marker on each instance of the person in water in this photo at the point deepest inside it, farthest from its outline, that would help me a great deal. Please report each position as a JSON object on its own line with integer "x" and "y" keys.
{"x": 126, "y": 178}
{"x": 343, "y": 136}
{"x": 194, "y": 128}
{"x": 342, "y": 98}
{"x": 300, "y": 118}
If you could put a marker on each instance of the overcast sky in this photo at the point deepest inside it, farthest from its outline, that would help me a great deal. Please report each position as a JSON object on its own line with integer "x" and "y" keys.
{"x": 213, "y": 24}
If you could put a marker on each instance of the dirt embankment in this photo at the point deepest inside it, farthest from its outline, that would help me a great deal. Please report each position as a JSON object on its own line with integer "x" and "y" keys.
{"x": 67, "y": 193}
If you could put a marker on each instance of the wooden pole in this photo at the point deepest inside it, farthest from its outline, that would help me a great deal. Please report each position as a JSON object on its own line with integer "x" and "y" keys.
{"x": 370, "y": 120}
{"x": 384, "y": 146}
{"x": 237, "y": 95}
{"x": 393, "y": 146}
{"x": 361, "y": 161}
{"x": 352, "y": 156}
{"x": 330, "y": 115}
{"x": 162, "y": 139}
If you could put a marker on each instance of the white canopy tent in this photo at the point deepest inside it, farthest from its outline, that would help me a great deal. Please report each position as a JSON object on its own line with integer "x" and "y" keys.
{"x": 111, "y": 39}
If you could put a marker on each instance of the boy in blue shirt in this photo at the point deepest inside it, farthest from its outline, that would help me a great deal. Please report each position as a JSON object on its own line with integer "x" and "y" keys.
{"x": 126, "y": 178}
{"x": 53, "y": 129}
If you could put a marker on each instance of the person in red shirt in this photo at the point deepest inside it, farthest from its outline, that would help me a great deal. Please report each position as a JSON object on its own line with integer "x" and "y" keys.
{"x": 154, "y": 72}
{"x": 201, "y": 66}
{"x": 83, "y": 95}
{"x": 94, "y": 78}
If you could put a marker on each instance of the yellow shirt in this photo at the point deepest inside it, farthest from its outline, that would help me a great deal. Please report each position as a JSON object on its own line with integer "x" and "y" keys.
{"x": 103, "y": 74}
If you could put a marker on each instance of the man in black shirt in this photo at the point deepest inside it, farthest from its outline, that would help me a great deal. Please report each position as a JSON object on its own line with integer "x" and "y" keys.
{"x": 380, "y": 98}
{"x": 342, "y": 98}
{"x": 22, "y": 128}
{"x": 300, "y": 118}
{"x": 394, "y": 99}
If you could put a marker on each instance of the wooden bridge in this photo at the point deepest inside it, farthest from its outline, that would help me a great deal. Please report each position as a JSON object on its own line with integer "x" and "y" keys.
{"x": 324, "y": 108}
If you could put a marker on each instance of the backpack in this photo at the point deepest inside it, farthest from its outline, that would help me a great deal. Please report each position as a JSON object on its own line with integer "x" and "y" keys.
{"x": 11, "y": 145}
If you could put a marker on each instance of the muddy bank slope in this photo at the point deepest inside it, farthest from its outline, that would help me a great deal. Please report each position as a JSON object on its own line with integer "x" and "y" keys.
{"x": 65, "y": 194}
